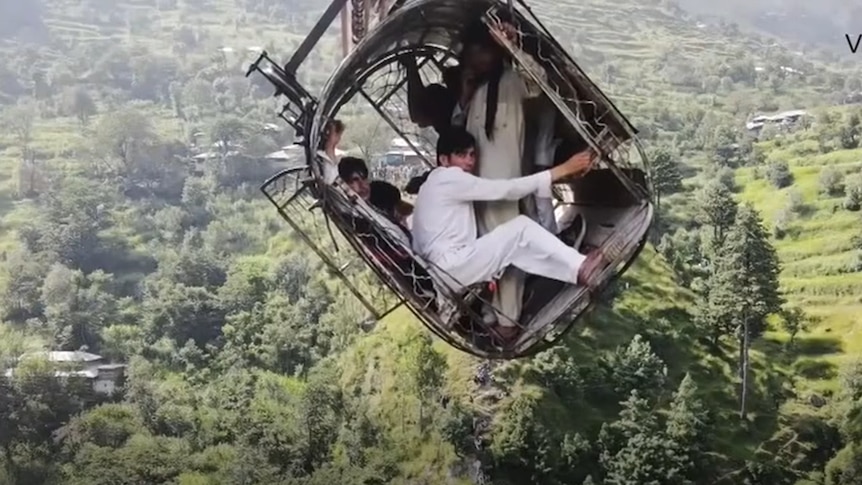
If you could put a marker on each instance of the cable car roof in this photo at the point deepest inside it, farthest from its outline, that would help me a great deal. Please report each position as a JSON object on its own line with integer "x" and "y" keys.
{"x": 436, "y": 25}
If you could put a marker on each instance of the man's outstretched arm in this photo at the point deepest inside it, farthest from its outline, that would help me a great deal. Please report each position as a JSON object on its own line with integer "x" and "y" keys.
{"x": 468, "y": 187}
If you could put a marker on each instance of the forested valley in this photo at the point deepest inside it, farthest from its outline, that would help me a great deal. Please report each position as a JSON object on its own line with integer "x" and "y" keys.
{"x": 133, "y": 233}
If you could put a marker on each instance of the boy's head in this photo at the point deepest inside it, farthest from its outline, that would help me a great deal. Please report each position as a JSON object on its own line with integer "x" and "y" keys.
{"x": 415, "y": 183}
{"x": 456, "y": 147}
{"x": 354, "y": 172}
{"x": 384, "y": 196}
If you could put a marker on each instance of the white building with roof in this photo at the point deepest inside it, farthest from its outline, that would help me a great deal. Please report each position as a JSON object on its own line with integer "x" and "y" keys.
{"x": 104, "y": 376}
{"x": 401, "y": 152}
{"x": 785, "y": 118}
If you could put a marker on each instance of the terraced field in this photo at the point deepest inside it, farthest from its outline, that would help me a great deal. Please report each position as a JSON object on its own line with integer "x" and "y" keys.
{"x": 628, "y": 33}
{"x": 819, "y": 261}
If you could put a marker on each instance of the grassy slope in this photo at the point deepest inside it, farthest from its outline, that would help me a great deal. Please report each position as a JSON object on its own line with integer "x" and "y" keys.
{"x": 629, "y": 32}
{"x": 817, "y": 252}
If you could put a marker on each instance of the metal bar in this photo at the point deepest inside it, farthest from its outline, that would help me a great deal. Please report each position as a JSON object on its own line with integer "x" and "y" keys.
{"x": 383, "y": 276}
{"x": 562, "y": 108}
{"x": 305, "y": 186}
{"x": 254, "y": 66}
{"x": 394, "y": 307}
{"x": 395, "y": 6}
{"x": 325, "y": 198}
{"x": 402, "y": 82}
{"x": 595, "y": 96}
{"x": 370, "y": 71}
{"x": 366, "y": 20}
{"x": 346, "y": 30}
{"x": 291, "y": 120}
{"x": 278, "y": 180}
{"x": 284, "y": 81}
{"x": 440, "y": 62}
{"x": 395, "y": 127}
{"x": 395, "y": 284}
{"x": 332, "y": 265}
{"x": 307, "y": 240}
{"x": 314, "y": 36}
{"x": 622, "y": 117}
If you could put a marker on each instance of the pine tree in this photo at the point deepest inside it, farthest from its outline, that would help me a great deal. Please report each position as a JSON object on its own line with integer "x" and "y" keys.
{"x": 716, "y": 315}
{"x": 744, "y": 289}
{"x": 716, "y": 209}
{"x": 686, "y": 429}
{"x": 636, "y": 367}
{"x": 633, "y": 450}
{"x": 426, "y": 368}
{"x": 665, "y": 174}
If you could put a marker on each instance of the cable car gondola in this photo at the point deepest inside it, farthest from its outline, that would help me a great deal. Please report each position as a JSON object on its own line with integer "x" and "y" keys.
{"x": 614, "y": 201}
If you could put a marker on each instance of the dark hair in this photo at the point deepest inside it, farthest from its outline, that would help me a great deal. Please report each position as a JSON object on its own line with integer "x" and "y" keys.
{"x": 349, "y": 166}
{"x": 384, "y": 196}
{"x": 439, "y": 103}
{"x": 477, "y": 33}
{"x": 454, "y": 140}
{"x": 414, "y": 184}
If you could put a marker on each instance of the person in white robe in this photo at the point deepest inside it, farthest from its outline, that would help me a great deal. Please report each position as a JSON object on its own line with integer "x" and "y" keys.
{"x": 328, "y": 150}
{"x": 495, "y": 116}
{"x": 445, "y": 223}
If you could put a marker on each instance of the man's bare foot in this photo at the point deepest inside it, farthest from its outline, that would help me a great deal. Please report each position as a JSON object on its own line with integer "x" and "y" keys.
{"x": 592, "y": 267}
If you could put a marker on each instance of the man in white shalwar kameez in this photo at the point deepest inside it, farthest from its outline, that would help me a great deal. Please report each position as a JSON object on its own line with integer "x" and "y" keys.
{"x": 500, "y": 141}
{"x": 328, "y": 150}
{"x": 445, "y": 224}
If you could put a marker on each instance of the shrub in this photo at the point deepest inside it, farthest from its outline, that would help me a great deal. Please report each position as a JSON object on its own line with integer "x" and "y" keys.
{"x": 795, "y": 201}
{"x": 831, "y": 182}
{"x": 779, "y": 175}
{"x": 853, "y": 193}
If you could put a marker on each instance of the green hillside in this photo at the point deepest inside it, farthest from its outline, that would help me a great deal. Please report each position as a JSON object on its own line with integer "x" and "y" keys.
{"x": 247, "y": 360}
{"x": 789, "y": 21}
{"x": 820, "y": 250}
